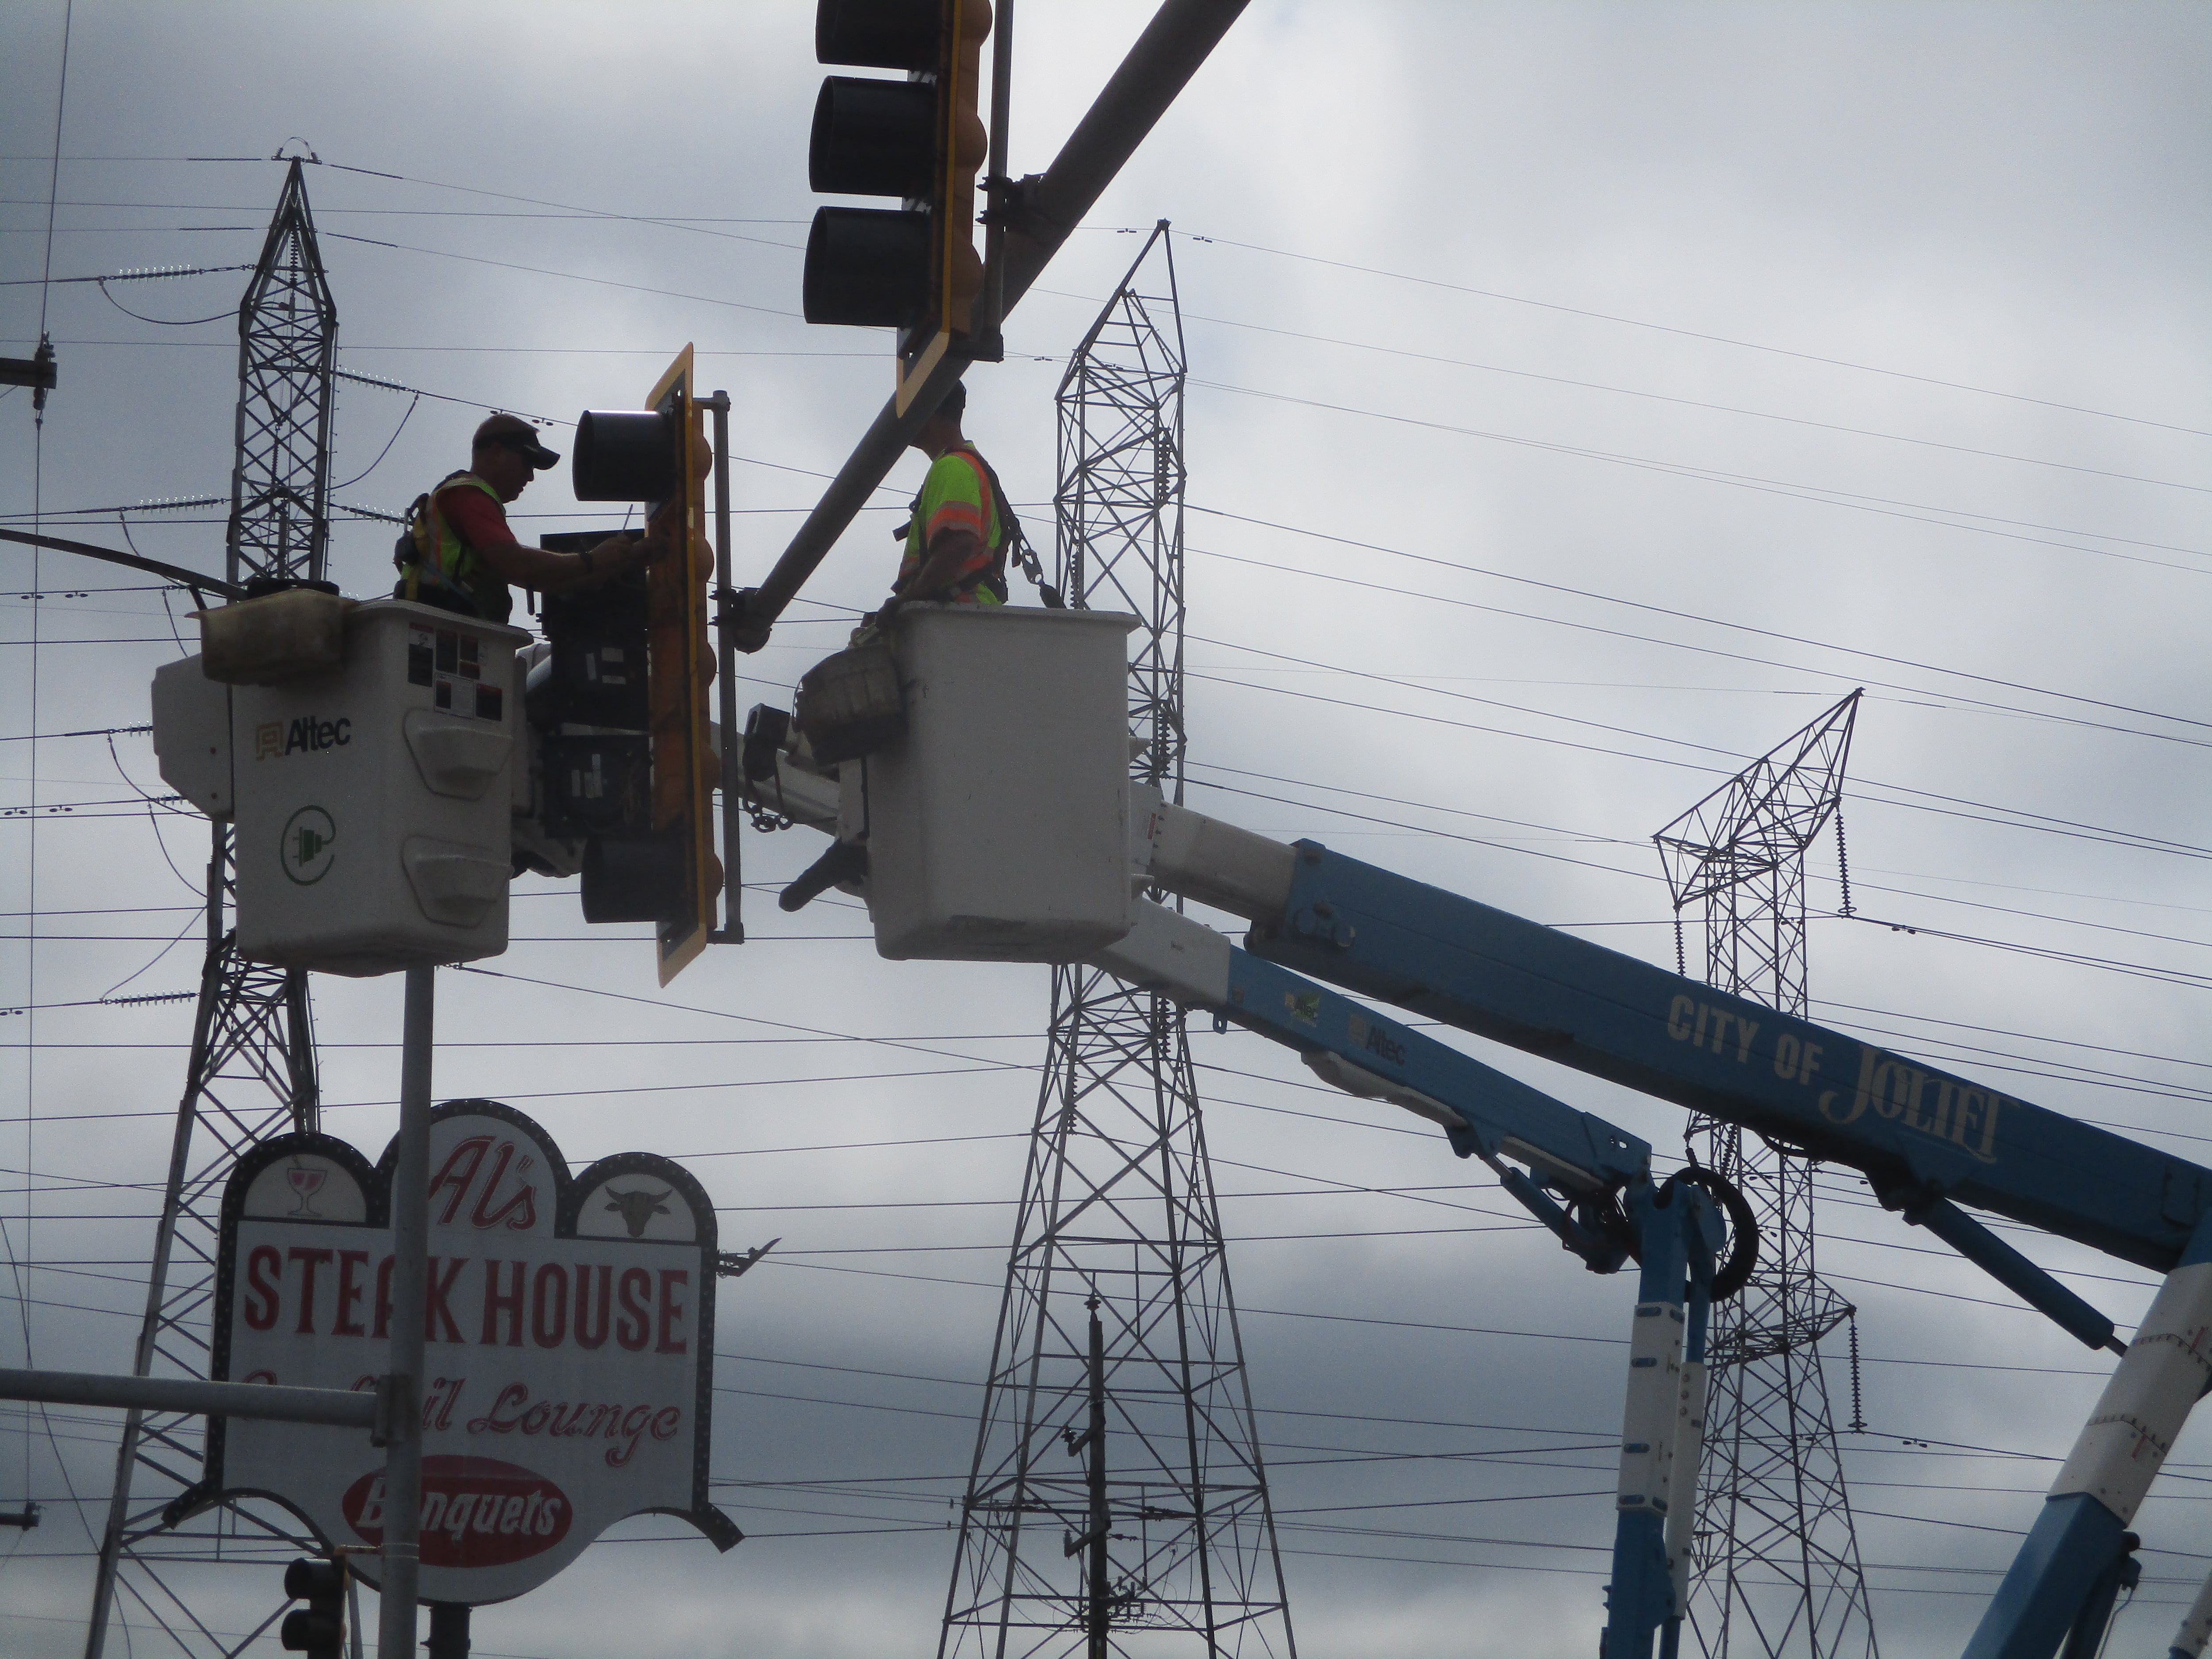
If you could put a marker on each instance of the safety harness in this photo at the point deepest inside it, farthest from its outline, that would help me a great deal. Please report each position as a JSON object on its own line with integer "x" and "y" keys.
{"x": 438, "y": 568}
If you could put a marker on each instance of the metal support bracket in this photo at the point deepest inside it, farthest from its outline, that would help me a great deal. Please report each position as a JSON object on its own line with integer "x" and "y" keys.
{"x": 733, "y": 1264}
{"x": 727, "y": 610}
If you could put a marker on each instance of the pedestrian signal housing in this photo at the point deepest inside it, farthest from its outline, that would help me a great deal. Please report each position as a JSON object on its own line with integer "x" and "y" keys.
{"x": 914, "y": 267}
{"x": 317, "y": 1630}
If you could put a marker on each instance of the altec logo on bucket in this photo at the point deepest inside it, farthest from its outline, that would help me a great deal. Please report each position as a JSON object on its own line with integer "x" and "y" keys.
{"x": 569, "y": 1327}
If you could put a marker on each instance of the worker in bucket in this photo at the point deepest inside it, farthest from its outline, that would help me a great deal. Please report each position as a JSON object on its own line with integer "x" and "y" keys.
{"x": 957, "y": 536}
{"x": 458, "y": 553}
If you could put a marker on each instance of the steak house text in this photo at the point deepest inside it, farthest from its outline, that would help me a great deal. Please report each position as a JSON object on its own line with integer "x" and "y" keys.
{"x": 317, "y": 1290}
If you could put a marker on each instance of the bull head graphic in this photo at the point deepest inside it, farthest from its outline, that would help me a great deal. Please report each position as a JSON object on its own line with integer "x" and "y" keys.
{"x": 637, "y": 1208}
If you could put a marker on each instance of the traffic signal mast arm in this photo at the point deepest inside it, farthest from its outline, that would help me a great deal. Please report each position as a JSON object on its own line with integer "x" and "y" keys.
{"x": 1160, "y": 64}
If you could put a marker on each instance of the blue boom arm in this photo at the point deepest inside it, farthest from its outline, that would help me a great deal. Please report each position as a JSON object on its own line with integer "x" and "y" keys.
{"x": 1920, "y": 1134}
{"x": 1578, "y": 1164}
{"x": 1928, "y": 1139}
{"x": 1587, "y": 1181}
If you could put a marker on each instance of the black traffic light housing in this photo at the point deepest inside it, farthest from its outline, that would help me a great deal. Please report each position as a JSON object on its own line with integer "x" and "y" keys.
{"x": 627, "y": 455}
{"x": 317, "y": 1629}
{"x": 914, "y": 267}
{"x": 620, "y": 706}
{"x": 589, "y": 710}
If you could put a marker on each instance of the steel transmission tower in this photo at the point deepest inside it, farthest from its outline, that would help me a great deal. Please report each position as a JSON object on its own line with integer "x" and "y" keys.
{"x": 251, "y": 1072}
{"x": 1777, "y": 1570}
{"x": 1117, "y": 1504}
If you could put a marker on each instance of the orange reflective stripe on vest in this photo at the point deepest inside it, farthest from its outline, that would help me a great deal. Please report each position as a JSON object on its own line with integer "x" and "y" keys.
{"x": 987, "y": 562}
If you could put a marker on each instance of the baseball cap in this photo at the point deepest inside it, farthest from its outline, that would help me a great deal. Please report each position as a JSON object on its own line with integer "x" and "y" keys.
{"x": 517, "y": 434}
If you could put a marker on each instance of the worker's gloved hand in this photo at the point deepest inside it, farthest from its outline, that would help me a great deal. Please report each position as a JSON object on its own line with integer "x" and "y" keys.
{"x": 658, "y": 541}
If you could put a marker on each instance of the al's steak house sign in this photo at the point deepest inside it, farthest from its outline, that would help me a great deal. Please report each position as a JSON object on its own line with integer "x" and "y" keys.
{"x": 569, "y": 1327}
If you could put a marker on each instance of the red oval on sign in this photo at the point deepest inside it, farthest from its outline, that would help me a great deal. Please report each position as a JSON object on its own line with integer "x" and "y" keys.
{"x": 476, "y": 1511}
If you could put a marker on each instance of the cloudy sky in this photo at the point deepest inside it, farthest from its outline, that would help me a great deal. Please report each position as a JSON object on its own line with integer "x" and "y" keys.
{"x": 1582, "y": 397}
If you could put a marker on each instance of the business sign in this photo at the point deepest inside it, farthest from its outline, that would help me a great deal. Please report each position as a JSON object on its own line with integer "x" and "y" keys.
{"x": 569, "y": 1323}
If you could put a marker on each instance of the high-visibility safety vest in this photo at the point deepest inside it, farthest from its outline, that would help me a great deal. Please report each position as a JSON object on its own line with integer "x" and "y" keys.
{"x": 982, "y": 578}
{"x": 439, "y": 568}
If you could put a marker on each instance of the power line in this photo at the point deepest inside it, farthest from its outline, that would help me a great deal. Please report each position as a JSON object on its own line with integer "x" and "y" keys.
{"x": 149, "y": 274}
{"x": 1684, "y": 616}
{"x": 567, "y": 275}
{"x": 1724, "y": 409}
{"x": 2033, "y": 1037}
{"x": 1693, "y": 334}
{"x": 2135, "y": 838}
{"x": 2040, "y": 823}
{"x": 1854, "y": 501}
{"x": 1342, "y": 792}
{"x": 1917, "y": 695}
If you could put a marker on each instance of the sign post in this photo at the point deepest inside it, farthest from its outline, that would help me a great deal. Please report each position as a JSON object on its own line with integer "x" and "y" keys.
{"x": 402, "y": 1384}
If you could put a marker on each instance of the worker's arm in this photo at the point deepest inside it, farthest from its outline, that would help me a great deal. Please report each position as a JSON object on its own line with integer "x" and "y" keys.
{"x": 950, "y": 551}
{"x": 477, "y": 523}
{"x": 556, "y": 573}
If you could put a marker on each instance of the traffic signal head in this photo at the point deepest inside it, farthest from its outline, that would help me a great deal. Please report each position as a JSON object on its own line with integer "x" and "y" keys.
{"x": 627, "y": 455}
{"x": 867, "y": 267}
{"x": 629, "y": 767}
{"x": 914, "y": 267}
{"x": 872, "y": 138}
{"x": 318, "y": 1628}
{"x": 892, "y": 35}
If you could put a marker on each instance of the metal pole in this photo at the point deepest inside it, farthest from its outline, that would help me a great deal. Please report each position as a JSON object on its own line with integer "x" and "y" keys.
{"x": 726, "y": 650}
{"x": 402, "y": 1457}
{"x": 989, "y": 336}
{"x": 353, "y": 1615}
{"x": 1097, "y": 1573}
{"x": 339, "y": 1407}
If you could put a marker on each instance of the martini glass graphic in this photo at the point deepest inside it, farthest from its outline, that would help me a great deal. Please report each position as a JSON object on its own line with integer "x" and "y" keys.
{"x": 306, "y": 1182}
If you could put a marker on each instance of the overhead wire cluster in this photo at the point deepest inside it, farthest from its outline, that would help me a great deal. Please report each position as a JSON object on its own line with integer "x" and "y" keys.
{"x": 890, "y": 1504}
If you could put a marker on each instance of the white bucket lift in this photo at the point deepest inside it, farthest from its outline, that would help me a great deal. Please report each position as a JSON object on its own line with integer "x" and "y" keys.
{"x": 372, "y": 797}
{"x": 996, "y": 824}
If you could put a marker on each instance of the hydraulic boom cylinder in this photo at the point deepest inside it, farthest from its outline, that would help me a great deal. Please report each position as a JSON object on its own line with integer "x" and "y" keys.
{"x": 2196, "y": 1627}
{"x": 1680, "y": 1232}
{"x": 1689, "y": 1469}
{"x": 2081, "y": 1536}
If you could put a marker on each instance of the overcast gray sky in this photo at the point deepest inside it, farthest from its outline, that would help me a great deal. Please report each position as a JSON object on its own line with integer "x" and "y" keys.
{"x": 1582, "y": 397}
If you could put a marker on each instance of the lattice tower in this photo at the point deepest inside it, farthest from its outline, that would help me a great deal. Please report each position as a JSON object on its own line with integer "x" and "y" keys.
{"x": 1118, "y": 1213}
{"x": 1777, "y": 1570}
{"x": 164, "y": 1561}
